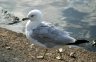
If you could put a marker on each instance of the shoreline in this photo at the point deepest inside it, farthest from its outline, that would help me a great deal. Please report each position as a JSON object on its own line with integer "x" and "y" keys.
{"x": 14, "y": 47}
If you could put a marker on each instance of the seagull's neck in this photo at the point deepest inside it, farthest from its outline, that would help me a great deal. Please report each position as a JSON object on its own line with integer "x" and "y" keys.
{"x": 32, "y": 24}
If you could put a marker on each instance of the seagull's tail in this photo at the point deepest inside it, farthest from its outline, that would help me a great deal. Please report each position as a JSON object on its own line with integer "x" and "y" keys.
{"x": 78, "y": 42}
{"x": 82, "y": 44}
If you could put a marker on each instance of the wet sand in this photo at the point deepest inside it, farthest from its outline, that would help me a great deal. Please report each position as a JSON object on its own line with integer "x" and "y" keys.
{"x": 14, "y": 47}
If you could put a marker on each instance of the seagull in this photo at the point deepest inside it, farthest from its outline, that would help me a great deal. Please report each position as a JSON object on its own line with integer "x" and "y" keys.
{"x": 44, "y": 34}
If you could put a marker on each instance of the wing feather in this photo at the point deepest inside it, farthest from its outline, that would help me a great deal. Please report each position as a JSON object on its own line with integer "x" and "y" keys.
{"x": 50, "y": 35}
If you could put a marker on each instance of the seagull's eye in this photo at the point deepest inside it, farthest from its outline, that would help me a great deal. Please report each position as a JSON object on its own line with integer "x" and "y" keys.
{"x": 32, "y": 15}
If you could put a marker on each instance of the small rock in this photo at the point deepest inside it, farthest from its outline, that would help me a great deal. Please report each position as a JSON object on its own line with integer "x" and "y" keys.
{"x": 31, "y": 46}
{"x": 40, "y": 57}
{"x": 60, "y": 50}
{"x": 15, "y": 58}
{"x": 27, "y": 43}
{"x": 58, "y": 57}
{"x": 72, "y": 55}
{"x": 49, "y": 54}
{"x": 8, "y": 48}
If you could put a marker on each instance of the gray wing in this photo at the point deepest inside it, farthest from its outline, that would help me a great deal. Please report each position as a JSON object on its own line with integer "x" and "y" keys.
{"x": 49, "y": 34}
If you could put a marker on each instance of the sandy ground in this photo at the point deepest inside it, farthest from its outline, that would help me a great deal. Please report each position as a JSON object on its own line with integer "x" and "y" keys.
{"x": 14, "y": 47}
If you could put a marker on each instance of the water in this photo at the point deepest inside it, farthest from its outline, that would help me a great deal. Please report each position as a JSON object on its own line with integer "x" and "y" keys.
{"x": 76, "y": 16}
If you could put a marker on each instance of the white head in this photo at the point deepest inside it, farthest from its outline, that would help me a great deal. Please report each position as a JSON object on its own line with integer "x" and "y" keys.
{"x": 35, "y": 19}
{"x": 35, "y": 15}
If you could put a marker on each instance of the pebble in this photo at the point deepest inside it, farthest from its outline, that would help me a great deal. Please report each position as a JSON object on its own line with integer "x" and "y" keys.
{"x": 48, "y": 53}
{"x": 58, "y": 57}
{"x": 31, "y": 46}
{"x": 40, "y": 57}
{"x": 72, "y": 55}
{"x": 60, "y": 50}
{"x": 8, "y": 48}
{"x": 16, "y": 58}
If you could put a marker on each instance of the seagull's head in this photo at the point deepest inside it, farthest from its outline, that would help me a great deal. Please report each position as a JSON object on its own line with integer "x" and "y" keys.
{"x": 34, "y": 15}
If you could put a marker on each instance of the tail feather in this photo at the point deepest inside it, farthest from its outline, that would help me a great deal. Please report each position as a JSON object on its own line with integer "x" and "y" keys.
{"x": 83, "y": 44}
{"x": 77, "y": 42}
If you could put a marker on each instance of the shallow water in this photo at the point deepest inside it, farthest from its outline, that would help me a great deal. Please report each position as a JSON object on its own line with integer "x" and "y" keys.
{"x": 75, "y": 16}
